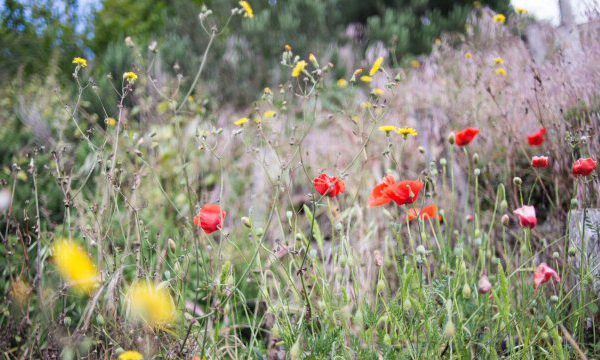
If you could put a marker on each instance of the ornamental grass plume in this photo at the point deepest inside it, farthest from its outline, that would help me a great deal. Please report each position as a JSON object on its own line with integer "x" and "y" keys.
{"x": 75, "y": 265}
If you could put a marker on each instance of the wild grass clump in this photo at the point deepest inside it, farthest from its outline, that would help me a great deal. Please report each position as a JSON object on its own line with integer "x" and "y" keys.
{"x": 391, "y": 213}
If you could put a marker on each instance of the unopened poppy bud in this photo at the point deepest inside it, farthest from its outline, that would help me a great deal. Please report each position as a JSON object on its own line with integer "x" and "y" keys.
{"x": 339, "y": 227}
{"x": 100, "y": 319}
{"x": 295, "y": 351}
{"x": 477, "y": 172}
{"x": 246, "y": 221}
{"x": 476, "y": 158}
{"x": 554, "y": 299}
{"x": 477, "y": 233}
{"x": 172, "y": 245}
{"x": 260, "y": 232}
{"x": 449, "y": 330}
{"x": 452, "y": 138}
{"x": 466, "y": 291}
{"x": 503, "y": 205}
{"x": 289, "y": 214}
{"x": 574, "y": 203}
{"x": 517, "y": 181}
{"x": 67, "y": 321}
{"x": 380, "y": 285}
{"x": 387, "y": 339}
{"x": 443, "y": 161}
{"x": 484, "y": 286}
{"x": 299, "y": 237}
{"x": 505, "y": 220}
{"x": 572, "y": 251}
{"x": 421, "y": 150}
{"x": 555, "y": 255}
{"x": 407, "y": 305}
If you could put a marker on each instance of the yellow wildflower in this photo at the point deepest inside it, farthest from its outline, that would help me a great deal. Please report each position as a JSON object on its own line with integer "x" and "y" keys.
{"x": 366, "y": 105}
{"x": 130, "y": 355}
{"x": 468, "y": 56}
{"x": 110, "y": 121}
{"x": 151, "y": 303}
{"x": 405, "y": 131}
{"x": 521, "y": 10}
{"x": 313, "y": 60}
{"x": 377, "y": 91}
{"x": 130, "y": 76}
{"x": 358, "y": 71}
{"x": 75, "y": 266}
{"x": 499, "y": 18}
{"x": 387, "y": 128}
{"x": 342, "y": 83}
{"x": 248, "y": 12}
{"x": 300, "y": 65}
{"x": 79, "y": 61}
{"x": 415, "y": 64}
{"x": 355, "y": 118}
{"x": 267, "y": 91}
{"x": 376, "y": 66}
{"x": 366, "y": 78}
{"x": 241, "y": 121}
{"x": 269, "y": 114}
{"x": 498, "y": 60}
{"x": 501, "y": 71}
{"x": 257, "y": 120}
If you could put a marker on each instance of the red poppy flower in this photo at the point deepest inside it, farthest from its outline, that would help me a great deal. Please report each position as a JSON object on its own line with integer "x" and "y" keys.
{"x": 543, "y": 274}
{"x": 526, "y": 216}
{"x": 428, "y": 212}
{"x": 210, "y": 218}
{"x": 537, "y": 138}
{"x": 331, "y": 186}
{"x": 403, "y": 192}
{"x": 466, "y": 136}
{"x": 584, "y": 167}
{"x": 540, "y": 162}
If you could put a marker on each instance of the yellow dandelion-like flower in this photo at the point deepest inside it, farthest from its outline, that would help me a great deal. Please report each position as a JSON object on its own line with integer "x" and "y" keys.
{"x": 521, "y": 10}
{"x": 377, "y": 91}
{"x": 376, "y": 66}
{"x": 366, "y": 105}
{"x": 269, "y": 114}
{"x": 110, "y": 121}
{"x": 79, "y": 61}
{"x": 405, "y": 131}
{"x": 342, "y": 83}
{"x": 151, "y": 303}
{"x": 498, "y": 60}
{"x": 366, "y": 78}
{"x": 358, "y": 71}
{"x": 468, "y": 56}
{"x": 130, "y": 355}
{"x": 248, "y": 12}
{"x": 499, "y": 18}
{"x": 313, "y": 59}
{"x": 300, "y": 65}
{"x": 75, "y": 266}
{"x": 241, "y": 121}
{"x": 415, "y": 64}
{"x": 387, "y": 128}
{"x": 501, "y": 71}
{"x": 130, "y": 76}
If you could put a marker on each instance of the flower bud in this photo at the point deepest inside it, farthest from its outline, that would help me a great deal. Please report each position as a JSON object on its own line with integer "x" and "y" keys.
{"x": 172, "y": 245}
{"x": 572, "y": 251}
{"x": 443, "y": 161}
{"x": 449, "y": 330}
{"x": 484, "y": 286}
{"x": 555, "y": 255}
{"x": 421, "y": 150}
{"x": 295, "y": 351}
{"x": 477, "y": 172}
{"x": 554, "y": 299}
{"x": 503, "y": 205}
{"x": 476, "y": 158}
{"x": 517, "y": 181}
{"x": 466, "y": 291}
{"x": 505, "y": 220}
{"x": 380, "y": 286}
{"x": 574, "y": 203}
{"x": 387, "y": 339}
{"x": 452, "y": 138}
{"x": 246, "y": 221}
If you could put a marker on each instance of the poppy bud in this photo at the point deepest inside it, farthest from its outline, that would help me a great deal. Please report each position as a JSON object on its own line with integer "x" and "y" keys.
{"x": 574, "y": 203}
{"x": 407, "y": 305}
{"x": 421, "y": 150}
{"x": 517, "y": 181}
{"x": 289, "y": 214}
{"x": 299, "y": 237}
{"x": 554, "y": 299}
{"x": 295, "y": 351}
{"x": 505, "y": 220}
{"x": 339, "y": 227}
{"x": 387, "y": 339}
{"x": 476, "y": 158}
{"x": 466, "y": 291}
{"x": 477, "y": 172}
{"x": 260, "y": 232}
{"x": 172, "y": 245}
{"x": 449, "y": 329}
{"x": 380, "y": 286}
{"x": 67, "y": 321}
{"x": 443, "y": 161}
{"x": 503, "y": 205}
{"x": 246, "y": 221}
{"x": 452, "y": 138}
{"x": 555, "y": 255}
{"x": 484, "y": 286}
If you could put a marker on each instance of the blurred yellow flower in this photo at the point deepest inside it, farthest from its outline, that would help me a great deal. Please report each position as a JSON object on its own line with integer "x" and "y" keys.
{"x": 366, "y": 78}
{"x": 241, "y": 121}
{"x": 342, "y": 83}
{"x": 387, "y": 128}
{"x": 151, "y": 303}
{"x": 269, "y": 114}
{"x": 415, "y": 64}
{"x": 300, "y": 65}
{"x": 366, "y": 105}
{"x": 501, "y": 71}
{"x": 468, "y": 56}
{"x": 499, "y": 18}
{"x": 521, "y": 10}
{"x": 313, "y": 60}
{"x": 376, "y": 66}
{"x": 75, "y": 266}
{"x": 130, "y": 355}
{"x": 80, "y": 62}
{"x": 248, "y": 12}
{"x": 130, "y": 76}
{"x": 110, "y": 121}
{"x": 405, "y": 131}
{"x": 498, "y": 60}
{"x": 377, "y": 91}
{"x": 355, "y": 118}
{"x": 287, "y": 47}
{"x": 267, "y": 91}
